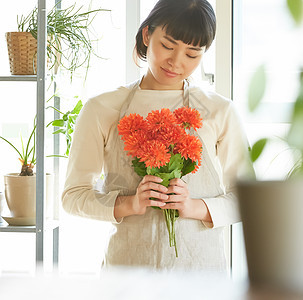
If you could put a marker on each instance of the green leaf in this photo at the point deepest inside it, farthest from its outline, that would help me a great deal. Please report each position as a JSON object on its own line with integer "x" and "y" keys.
{"x": 59, "y": 131}
{"x": 22, "y": 145}
{"x": 58, "y": 123}
{"x": 77, "y": 108}
{"x": 256, "y": 88}
{"x": 166, "y": 178}
{"x": 155, "y": 170}
{"x": 72, "y": 118}
{"x": 257, "y": 149}
{"x": 176, "y": 173}
{"x": 188, "y": 166}
{"x": 57, "y": 155}
{"x": 176, "y": 162}
{"x": 295, "y": 8}
{"x": 12, "y": 146}
{"x": 139, "y": 167}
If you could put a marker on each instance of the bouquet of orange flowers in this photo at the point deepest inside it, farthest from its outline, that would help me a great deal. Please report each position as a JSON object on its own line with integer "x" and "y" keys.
{"x": 162, "y": 146}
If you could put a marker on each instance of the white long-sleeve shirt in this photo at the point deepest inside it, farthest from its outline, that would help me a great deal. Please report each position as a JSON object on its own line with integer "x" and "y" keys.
{"x": 143, "y": 240}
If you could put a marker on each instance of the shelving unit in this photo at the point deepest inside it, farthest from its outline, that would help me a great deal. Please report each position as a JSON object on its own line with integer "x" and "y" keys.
{"x": 19, "y": 78}
{"x": 42, "y": 225}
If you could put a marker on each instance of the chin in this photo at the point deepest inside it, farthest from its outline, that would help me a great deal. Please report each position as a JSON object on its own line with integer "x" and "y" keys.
{"x": 169, "y": 81}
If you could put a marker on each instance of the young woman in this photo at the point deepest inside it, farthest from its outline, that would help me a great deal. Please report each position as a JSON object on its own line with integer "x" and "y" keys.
{"x": 172, "y": 40}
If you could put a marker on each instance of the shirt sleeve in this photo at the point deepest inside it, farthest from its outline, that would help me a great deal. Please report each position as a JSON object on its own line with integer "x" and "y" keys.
{"x": 84, "y": 169}
{"x": 233, "y": 154}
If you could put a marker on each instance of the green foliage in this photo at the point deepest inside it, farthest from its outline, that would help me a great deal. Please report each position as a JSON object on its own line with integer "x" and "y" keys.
{"x": 69, "y": 36}
{"x": 175, "y": 163}
{"x": 188, "y": 166}
{"x": 28, "y": 151}
{"x": 139, "y": 167}
{"x": 256, "y": 88}
{"x": 257, "y": 149}
{"x": 177, "y": 167}
{"x": 295, "y": 8}
{"x": 67, "y": 124}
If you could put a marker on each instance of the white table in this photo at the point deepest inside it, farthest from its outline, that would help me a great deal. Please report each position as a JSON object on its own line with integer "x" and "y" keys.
{"x": 130, "y": 284}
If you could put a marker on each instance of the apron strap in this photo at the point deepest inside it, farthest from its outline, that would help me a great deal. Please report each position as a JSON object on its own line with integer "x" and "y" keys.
{"x": 129, "y": 98}
{"x": 186, "y": 93}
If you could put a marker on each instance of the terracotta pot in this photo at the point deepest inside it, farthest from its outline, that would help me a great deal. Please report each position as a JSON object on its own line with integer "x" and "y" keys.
{"x": 273, "y": 231}
{"x": 20, "y": 194}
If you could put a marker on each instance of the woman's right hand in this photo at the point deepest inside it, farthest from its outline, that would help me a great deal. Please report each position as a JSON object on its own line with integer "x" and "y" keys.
{"x": 149, "y": 187}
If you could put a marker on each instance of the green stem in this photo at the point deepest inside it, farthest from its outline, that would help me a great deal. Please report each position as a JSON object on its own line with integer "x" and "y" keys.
{"x": 26, "y": 151}
{"x": 55, "y": 109}
{"x": 174, "y": 232}
{"x": 168, "y": 225}
{"x": 170, "y": 218}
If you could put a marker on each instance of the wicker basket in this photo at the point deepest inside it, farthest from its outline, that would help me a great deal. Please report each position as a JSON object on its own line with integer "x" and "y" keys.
{"x": 22, "y": 52}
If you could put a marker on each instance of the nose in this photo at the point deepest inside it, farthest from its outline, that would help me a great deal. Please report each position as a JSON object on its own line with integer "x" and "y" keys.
{"x": 175, "y": 59}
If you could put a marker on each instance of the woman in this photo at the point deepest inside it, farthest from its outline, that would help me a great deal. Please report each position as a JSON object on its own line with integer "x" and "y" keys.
{"x": 172, "y": 39}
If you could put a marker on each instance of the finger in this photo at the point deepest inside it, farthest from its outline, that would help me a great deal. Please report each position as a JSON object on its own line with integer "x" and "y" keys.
{"x": 153, "y": 194}
{"x": 177, "y": 181}
{"x": 152, "y": 178}
{"x": 175, "y": 198}
{"x": 155, "y": 203}
{"x": 174, "y": 189}
{"x": 153, "y": 186}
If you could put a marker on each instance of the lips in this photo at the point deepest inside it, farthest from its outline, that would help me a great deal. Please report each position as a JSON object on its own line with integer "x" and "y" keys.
{"x": 169, "y": 73}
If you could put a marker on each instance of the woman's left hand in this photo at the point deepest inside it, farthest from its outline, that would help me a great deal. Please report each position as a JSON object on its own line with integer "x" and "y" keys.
{"x": 180, "y": 200}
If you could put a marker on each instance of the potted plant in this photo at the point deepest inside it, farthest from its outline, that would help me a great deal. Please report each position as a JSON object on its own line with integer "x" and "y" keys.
{"x": 20, "y": 188}
{"x": 69, "y": 42}
{"x": 272, "y": 210}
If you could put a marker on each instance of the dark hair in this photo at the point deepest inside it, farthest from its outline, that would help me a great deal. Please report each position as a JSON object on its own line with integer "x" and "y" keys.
{"x": 190, "y": 21}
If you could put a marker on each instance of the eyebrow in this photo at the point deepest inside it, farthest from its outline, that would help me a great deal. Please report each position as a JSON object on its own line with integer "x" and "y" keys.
{"x": 175, "y": 43}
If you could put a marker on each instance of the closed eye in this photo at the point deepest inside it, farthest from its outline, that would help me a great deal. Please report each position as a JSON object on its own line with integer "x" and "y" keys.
{"x": 166, "y": 47}
{"x": 190, "y": 56}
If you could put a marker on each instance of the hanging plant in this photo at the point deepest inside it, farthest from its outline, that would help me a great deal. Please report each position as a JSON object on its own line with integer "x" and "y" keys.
{"x": 69, "y": 35}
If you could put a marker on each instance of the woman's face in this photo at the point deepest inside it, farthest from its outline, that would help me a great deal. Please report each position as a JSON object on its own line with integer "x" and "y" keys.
{"x": 170, "y": 61}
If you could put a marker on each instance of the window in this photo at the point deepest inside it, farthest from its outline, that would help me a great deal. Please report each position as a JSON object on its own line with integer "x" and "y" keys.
{"x": 263, "y": 33}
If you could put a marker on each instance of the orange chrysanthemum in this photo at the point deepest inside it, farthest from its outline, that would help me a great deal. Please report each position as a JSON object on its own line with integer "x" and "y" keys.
{"x": 188, "y": 117}
{"x": 131, "y": 124}
{"x": 154, "y": 154}
{"x": 162, "y": 125}
{"x": 190, "y": 147}
{"x": 134, "y": 142}
{"x": 157, "y": 120}
{"x": 162, "y": 133}
{"x": 169, "y": 136}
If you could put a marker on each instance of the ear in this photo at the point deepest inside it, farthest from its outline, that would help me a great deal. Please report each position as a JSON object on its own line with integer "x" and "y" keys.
{"x": 145, "y": 36}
